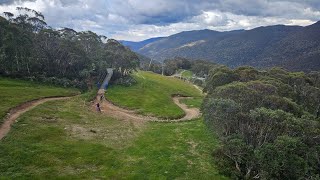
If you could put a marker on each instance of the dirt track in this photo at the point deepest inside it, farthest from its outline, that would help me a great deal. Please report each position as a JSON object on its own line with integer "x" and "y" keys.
{"x": 120, "y": 113}
{"x": 19, "y": 110}
{"x": 107, "y": 108}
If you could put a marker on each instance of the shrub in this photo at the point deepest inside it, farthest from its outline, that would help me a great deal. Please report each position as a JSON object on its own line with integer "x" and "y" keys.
{"x": 125, "y": 81}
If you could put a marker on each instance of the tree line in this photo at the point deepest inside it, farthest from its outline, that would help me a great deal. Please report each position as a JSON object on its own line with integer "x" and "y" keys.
{"x": 170, "y": 66}
{"x": 268, "y": 122}
{"x": 31, "y": 49}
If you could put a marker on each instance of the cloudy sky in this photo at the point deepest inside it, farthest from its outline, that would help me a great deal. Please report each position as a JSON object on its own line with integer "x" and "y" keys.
{"x": 141, "y": 19}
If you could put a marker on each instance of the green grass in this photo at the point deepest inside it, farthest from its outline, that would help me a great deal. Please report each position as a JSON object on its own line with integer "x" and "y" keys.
{"x": 170, "y": 151}
{"x": 152, "y": 95}
{"x": 194, "y": 102}
{"x": 14, "y": 92}
{"x": 55, "y": 141}
{"x": 187, "y": 74}
{"x": 67, "y": 140}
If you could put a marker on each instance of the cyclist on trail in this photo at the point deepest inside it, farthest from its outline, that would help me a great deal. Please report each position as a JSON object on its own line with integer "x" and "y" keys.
{"x": 98, "y": 107}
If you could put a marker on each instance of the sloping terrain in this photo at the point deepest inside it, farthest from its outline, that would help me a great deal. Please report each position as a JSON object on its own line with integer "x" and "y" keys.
{"x": 152, "y": 95}
{"x": 297, "y": 51}
{"x": 116, "y": 112}
{"x": 67, "y": 140}
{"x": 16, "y": 92}
{"x": 292, "y": 47}
{"x": 135, "y": 46}
{"x": 16, "y": 112}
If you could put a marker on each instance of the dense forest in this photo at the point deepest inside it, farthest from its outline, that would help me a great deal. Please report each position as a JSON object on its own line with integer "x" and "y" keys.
{"x": 268, "y": 122}
{"x": 31, "y": 49}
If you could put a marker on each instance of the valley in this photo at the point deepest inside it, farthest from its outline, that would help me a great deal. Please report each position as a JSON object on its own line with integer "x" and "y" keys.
{"x": 209, "y": 90}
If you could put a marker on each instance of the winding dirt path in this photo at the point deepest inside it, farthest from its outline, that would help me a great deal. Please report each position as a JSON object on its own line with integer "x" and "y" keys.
{"x": 107, "y": 108}
{"x": 120, "y": 113}
{"x": 19, "y": 110}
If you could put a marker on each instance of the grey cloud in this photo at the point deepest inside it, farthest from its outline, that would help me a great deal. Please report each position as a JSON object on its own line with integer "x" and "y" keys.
{"x": 163, "y": 12}
{"x": 270, "y": 8}
{"x": 6, "y": 2}
{"x": 158, "y": 11}
{"x": 140, "y": 17}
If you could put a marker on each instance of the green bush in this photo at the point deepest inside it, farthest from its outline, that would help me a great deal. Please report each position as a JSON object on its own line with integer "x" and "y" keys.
{"x": 268, "y": 122}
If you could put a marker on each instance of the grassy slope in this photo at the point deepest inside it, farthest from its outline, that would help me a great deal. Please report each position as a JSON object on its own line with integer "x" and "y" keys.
{"x": 15, "y": 92}
{"x": 170, "y": 151}
{"x": 187, "y": 74}
{"x": 194, "y": 102}
{"x": 152, "y": 95}
{"x": 54, "y": 140}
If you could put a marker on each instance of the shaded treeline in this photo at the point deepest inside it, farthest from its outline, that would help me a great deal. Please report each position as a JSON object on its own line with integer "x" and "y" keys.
{"x": 30, "y": 49}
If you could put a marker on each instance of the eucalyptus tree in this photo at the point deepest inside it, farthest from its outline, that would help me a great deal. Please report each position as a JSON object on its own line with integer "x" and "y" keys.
{"x": 120, "y": 58}
{"x": 29, "y": 47}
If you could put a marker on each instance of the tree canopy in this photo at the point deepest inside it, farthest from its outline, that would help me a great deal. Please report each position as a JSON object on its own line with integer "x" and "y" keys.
{"x": 268, "y": 122}
{"x": 29, "y": 48}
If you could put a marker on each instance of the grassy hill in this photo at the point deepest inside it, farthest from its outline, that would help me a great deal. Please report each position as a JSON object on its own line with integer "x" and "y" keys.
{"x": 15, "y": 92}
{"x": 67, "y": 140}
{"x": 186, "y": 74}
{"x": 152, "y": 95}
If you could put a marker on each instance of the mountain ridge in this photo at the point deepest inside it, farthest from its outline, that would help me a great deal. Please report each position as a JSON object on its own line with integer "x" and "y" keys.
{"x": 295, "y": 48}
{"x": 136, "y": 45}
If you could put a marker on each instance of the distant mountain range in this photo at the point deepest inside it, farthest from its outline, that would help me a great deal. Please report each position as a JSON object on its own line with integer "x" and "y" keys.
{"x": 292, "y": 47}
{"x": 135, "y": 46}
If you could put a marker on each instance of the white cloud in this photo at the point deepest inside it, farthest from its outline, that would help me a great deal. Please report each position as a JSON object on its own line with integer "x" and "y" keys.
{"x": 302, "y": 22}
{"x": 214, "y": 20}
{"x": 140, "y": 19}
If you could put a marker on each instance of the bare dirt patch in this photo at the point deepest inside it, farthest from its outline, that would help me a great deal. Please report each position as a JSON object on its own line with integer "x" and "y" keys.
{"x": 19, "y": 110}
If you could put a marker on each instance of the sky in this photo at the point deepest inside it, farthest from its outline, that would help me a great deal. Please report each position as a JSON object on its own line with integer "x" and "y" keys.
{"x": 136, "y": 20}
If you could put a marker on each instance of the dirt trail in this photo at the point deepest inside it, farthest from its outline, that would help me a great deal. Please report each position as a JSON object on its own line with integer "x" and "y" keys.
{"x": 19, "y": 110}
{"x": 107, "y": 108}
{"x": 120, "y": 113}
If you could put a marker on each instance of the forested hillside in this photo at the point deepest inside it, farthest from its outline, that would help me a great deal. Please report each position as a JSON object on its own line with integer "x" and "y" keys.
{"x": 268, "y": 122}
{"x": 135, "y": 46}
{"x": 297, "y": 51}
{"x": 292, "y": 47}
{"x": 31, "y": 49}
